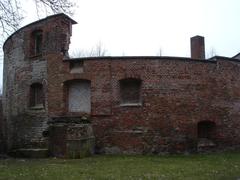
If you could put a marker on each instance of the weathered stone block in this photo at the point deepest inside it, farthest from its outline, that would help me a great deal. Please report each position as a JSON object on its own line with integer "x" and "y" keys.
{"x": 71, "y": 140}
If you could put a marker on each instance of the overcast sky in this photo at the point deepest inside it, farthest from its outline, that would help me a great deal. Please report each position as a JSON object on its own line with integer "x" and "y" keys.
{"x": 143, "y": 27}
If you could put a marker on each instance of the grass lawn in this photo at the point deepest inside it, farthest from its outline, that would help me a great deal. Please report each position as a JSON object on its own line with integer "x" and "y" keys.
{"x": 225, "y": 166}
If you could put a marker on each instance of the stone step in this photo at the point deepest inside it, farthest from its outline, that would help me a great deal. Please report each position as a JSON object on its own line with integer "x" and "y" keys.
{"x": 30, "y": 153}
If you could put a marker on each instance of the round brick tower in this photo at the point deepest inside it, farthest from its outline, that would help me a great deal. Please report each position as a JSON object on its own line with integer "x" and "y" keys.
{"x": 25, "y": 85}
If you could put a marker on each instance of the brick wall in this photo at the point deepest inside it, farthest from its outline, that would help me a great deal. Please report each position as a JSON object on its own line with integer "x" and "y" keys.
{"x": 176, "y": 95}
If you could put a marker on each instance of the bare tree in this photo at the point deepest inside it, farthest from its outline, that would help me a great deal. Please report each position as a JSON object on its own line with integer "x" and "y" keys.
{"x": 11, "y": 12}
{"x": 98, "y": 51}
{"x": 160, "y": 51}
{"x": 212, "y": 52}
{"x": 10, "y": 16}
{"x": 54, "y": 6}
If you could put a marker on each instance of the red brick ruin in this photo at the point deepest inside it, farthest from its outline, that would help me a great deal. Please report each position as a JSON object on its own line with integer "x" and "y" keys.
{"x": 59, "y": 106}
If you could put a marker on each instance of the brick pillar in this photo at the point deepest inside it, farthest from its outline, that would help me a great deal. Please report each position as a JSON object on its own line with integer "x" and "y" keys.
{"x": 197, "y": 47}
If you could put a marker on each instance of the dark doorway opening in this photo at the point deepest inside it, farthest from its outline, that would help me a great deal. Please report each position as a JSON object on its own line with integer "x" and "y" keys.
{"x": 206, "y": 129}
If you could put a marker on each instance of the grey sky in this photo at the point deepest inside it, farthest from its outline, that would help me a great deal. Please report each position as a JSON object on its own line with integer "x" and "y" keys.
{"x": 142, "y": 27}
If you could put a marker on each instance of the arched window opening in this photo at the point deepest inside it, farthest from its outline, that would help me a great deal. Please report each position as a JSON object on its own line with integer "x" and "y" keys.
{"x": 130, "y": 91}
{"x": 79, "y": 96}
{"x": 37, "y": 42}
{"x": 206, "y": 129}
{"x": 36, "y": 95}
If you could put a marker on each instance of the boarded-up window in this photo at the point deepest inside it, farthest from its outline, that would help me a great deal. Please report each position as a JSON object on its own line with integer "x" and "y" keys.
{"x": 206, "y": 129}
{"x": 130, "y": 90}
{"x": 79, "y": 97}
{"x": 36, "y": 95}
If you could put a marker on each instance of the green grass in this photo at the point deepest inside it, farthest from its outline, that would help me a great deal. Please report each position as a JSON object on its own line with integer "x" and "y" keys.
{"x": 225, "y": 166}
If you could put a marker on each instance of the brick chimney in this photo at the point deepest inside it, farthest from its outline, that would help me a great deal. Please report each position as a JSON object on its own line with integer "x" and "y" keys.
{"x": 197, "y": 47}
